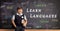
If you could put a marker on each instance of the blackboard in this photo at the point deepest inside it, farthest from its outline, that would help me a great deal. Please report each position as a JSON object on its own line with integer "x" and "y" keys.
{"x": 39, "y": 13}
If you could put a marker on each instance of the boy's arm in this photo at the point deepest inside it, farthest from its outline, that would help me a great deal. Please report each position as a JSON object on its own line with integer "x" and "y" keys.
{"x": 24, "y": 21}
{"x": 13, "y": 18}
{"x": 13, "y": 23}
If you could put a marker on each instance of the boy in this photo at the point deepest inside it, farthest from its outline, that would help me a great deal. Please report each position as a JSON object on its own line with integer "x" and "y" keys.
{"x": 19, "y": 20}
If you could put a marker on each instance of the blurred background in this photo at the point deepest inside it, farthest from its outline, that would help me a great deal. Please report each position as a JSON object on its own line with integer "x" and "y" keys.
{"x": 8, "y": 8}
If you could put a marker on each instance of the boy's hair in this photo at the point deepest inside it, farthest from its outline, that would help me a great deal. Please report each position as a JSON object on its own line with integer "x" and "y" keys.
{"x": 19, "y": 8}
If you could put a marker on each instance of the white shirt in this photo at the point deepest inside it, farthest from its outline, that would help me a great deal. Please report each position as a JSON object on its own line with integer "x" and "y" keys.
{"x": 19, "y": 15}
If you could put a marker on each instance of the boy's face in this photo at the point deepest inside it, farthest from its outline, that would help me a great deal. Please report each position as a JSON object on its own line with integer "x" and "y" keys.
{"x": 20, "y": 11}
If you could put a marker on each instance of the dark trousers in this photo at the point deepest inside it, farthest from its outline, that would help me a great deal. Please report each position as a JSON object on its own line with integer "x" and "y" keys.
{"x": 19, "y": 29}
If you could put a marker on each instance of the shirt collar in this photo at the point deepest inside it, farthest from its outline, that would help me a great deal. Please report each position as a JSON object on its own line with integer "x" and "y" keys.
{"x": 19, "y": 14}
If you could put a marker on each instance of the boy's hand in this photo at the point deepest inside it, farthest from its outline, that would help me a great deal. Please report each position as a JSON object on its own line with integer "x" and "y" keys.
{"x": 24, "y": 23}
{"x": 15, "y": 26}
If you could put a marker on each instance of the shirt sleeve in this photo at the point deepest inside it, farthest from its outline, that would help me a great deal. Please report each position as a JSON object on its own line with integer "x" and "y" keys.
{"x": 25, "y": 17}
{"x": 13, "y": 17}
